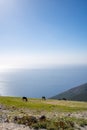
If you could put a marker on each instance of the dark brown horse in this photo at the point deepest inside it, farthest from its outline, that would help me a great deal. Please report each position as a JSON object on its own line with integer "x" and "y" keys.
{"x": 43, "y": 98}
{"x": 24, "y": 99}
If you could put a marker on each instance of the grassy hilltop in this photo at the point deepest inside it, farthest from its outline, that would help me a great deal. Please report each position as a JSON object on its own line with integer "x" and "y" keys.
{"x": 54, "y": 114}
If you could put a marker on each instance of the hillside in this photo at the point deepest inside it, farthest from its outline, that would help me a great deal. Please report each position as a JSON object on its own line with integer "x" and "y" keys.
{"x": 78, "y": 93}
{"x": 17, "y": 114}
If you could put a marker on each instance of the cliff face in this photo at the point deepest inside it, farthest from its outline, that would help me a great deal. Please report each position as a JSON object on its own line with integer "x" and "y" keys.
{"x": 78, "y": 93}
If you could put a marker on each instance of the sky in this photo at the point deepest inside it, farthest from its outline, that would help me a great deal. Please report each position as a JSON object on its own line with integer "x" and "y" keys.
{"x": 42, "y": 33}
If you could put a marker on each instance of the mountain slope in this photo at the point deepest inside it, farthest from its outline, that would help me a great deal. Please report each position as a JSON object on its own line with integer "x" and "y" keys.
{"x": 77, "y": 93}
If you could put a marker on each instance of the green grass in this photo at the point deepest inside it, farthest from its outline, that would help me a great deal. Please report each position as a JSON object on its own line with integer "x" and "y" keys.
{"x": 35, "y": 108}
{"x": 48, "y": 105}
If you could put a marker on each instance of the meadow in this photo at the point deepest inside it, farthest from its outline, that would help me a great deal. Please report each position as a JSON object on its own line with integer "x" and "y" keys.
{"x": 40, "y": 113}
{"x": 47, "y": 105}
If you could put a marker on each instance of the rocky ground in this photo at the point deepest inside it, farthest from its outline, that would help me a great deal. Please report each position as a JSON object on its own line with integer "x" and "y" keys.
{"x": 8, "y": 118}
{"x": 13, "y": 119}
{"x": 13, "y": 126}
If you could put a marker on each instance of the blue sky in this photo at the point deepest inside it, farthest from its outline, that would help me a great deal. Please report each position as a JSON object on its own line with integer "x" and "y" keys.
{"x": 42, "y": 33}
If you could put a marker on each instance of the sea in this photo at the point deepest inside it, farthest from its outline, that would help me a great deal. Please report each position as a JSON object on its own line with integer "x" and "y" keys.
{"x": 35, "y": 83}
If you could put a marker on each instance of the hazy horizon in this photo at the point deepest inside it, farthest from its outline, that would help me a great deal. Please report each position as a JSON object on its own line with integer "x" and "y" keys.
{"x": 41, "y": 82}
{"x": 38, "y": 36}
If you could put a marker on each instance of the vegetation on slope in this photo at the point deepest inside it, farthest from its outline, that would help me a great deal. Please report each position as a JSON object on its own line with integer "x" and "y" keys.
{"x": 48, "y": 105}
{"x": 76, "y": 94}
{"x": 48, "y": 114}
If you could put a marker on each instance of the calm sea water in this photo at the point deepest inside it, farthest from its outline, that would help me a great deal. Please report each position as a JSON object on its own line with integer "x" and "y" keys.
{"x": 41, "y": 82}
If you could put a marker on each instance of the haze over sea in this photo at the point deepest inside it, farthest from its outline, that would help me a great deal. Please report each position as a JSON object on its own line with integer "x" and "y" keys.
{"x": 39, "y": 82}
{"x": 43, "y": 46}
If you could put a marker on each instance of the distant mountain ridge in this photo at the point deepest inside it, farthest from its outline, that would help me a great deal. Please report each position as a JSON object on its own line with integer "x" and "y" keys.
{"x": 78, "y": 93}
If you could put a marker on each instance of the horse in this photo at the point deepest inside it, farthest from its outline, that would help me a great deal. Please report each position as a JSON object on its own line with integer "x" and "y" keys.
{"x": 43, "y": 98}
{"x": 24, "y": 99}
